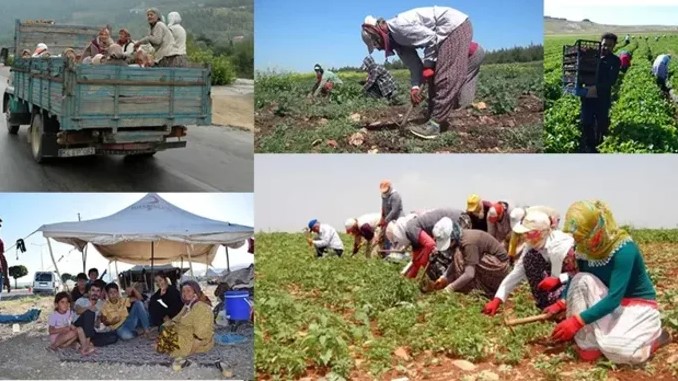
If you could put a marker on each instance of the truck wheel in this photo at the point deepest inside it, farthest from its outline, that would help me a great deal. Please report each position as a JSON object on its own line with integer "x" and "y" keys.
{"x": 12, "y": 128}
{"x": 38, "y": 137}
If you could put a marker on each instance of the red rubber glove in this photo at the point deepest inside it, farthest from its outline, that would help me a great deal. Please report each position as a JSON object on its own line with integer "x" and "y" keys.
{"x": 415, "y": 96}
{"x": 556, "y": 307}
{"x": 566, "y": 329}
{"x": 440, "y": 283}
{"x": 428, "y": 74}
{"x": 549, "y": 283}
{"x": 492, "y": 306}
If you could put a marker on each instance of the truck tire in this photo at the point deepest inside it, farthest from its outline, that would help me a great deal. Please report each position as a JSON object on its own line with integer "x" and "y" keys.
{"x": 12, "y": 128}
{"x": 38, "y": 137}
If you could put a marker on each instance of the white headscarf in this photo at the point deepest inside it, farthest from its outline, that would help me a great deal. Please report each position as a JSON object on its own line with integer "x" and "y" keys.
{"x": 396, "y": 230}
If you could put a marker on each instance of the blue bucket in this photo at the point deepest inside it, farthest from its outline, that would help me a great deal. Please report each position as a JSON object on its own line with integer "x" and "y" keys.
{"x": 237, "y": 305}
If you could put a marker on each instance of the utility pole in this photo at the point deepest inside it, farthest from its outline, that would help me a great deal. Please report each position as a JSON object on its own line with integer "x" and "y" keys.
{"x": 42, "y": 262}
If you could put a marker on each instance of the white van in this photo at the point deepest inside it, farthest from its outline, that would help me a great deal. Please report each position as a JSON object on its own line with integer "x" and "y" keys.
{"x": 46, "y": 282}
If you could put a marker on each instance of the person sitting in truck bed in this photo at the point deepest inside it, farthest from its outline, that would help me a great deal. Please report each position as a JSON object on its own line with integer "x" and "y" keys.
{"x": 41, "y": 51}
{"x": 26, "y": 54}
{"x": 99, "y": 44}
{"x": 125, "y": 41}
{"x": 115, "y": 56}
{"x": 161, "y": 39}
{"x": 141, "y": 59}
{"x": 70, "y": 55}
{"x": 179, "y": 34}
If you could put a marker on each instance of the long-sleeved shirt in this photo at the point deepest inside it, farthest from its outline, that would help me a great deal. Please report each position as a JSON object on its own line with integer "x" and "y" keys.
{"x": 501, "y": 229}
{"x": 162, "y": 41}
{"x": 624, "y": 273}
{"x": 480, "y": 223}
{"x": 328, "y": 237}
{"x": 427, "y": 221}
{"x": 392, "y": 206}
{"x": 660, "y": 67}
{"x": 379, "y": 75}
{"x": 608, "y": 73}
{"x": 558, "y": 244}
{"x": 475, "y": 244}
{"x": 427, "y": 28}
{"x": 327, "y": 76}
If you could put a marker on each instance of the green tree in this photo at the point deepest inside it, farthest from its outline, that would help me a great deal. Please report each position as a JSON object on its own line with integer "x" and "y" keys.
{"x": 65, "y": 277}
{"x": 17, "y": 272}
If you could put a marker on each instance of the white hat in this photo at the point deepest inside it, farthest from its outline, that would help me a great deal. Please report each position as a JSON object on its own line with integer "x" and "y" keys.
{"x": 533, "y": 221}
{"x": 517, "y": 215}
{"x": 367, "y": 39}
{"x": 442, "y": 231}
{"x": 42, "y": 46}
{"x": 350, "y": 223}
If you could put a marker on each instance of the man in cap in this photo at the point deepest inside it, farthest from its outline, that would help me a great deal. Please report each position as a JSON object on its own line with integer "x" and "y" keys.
{"x": 326, "y": 238}
{"x": 477, "y": 210}
{"x": 365, "y": 227}
{"x": 451, "y": 63}
{"x": 380, "y": 83}
{"x": 391, "y": 206}
{"x": 325, "y": 81}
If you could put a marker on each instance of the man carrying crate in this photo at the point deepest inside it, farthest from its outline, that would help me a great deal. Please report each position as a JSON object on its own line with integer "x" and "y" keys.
{"x": 596, "y": 104}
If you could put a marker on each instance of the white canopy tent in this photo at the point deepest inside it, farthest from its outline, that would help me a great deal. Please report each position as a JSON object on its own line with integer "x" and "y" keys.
{"x": 150, "y": 230}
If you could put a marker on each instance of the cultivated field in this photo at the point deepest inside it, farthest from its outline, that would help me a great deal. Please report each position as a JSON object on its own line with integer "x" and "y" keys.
{"x": 506, "y": 117}
{"x": 358, "y": 319}
{"x": 643, "y": 117}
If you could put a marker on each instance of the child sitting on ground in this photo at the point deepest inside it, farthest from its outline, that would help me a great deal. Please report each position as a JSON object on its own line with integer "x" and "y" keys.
{"x": 62, "y": 333}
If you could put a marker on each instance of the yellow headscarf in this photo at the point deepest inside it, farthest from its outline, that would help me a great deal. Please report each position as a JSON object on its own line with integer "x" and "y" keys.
{"x": 595, "y": 231}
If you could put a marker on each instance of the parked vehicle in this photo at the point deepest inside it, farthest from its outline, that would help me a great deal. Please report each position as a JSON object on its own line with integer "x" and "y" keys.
{"x": 46, "y": 282}
{"x": 76, "y": 109}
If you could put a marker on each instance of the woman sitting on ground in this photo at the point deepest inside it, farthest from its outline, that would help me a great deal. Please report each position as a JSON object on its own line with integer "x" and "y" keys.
{"x": 62, "y": 332}
{"x": 166, "y": 303}
{"x": 189, "y": 332}
{"x": 611, "y": 303}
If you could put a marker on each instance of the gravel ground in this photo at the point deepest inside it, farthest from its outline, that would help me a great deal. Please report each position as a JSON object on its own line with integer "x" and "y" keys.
{"x": 24, "y": 355}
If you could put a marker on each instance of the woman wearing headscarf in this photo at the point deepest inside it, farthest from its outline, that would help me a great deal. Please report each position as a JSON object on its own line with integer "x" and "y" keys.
{"x": 160, "y": 38}
{"x": 165, "y": 303}
{"x": 477, "y": 209}
{"x": 479, "y": 261}
{"x": 517, "y": 214}
{"x": 189, "y": 332}
{"x": 125, "y": 41}
{"x": 611, "y": 303}
{"x": 451, "y": 59}
{"x": 547, "y": 254}
{"x": 99, "y": 45}
{"x": 499, "y": 222}
{"x": 179, "y": 34}
{"x": 365, "y": 227}
{"x": 41, "y": 51}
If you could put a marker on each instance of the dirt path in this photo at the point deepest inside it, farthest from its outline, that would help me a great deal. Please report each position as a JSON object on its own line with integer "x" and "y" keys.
{"x": 234, "y": 105}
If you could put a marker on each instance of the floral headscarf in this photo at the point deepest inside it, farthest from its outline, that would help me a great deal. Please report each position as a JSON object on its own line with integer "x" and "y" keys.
{"x": 594, "y": 229}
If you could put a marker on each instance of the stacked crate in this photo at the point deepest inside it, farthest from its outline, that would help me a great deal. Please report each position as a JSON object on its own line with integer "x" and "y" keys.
{"x": 580, "y": 66}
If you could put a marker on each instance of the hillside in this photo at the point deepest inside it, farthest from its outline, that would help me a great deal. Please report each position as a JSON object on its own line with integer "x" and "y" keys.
{"x": 556, "y": 26}
{"x": 217, "y": 20}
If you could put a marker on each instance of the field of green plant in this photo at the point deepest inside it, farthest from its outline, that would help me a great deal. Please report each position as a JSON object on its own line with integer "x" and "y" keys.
{"x": 643, "y": 118}
{"x": 358, "y": 319}
{"x": 507, "y": 115}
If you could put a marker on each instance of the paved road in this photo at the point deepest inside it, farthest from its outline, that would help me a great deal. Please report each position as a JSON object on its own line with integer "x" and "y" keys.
{"x": 216, "y": 159}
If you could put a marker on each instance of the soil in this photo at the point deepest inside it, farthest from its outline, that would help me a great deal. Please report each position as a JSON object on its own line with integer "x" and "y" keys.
{"x": 234, "y": 105}
{"x": 477, "y": 130}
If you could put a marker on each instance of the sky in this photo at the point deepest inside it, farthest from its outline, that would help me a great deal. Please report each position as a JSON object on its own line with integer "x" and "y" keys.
{"x": 292, "y": 189}
{"x": 24, "y": 213}
{"x": 295, "y": 35}
{"x": 615, "y": 12}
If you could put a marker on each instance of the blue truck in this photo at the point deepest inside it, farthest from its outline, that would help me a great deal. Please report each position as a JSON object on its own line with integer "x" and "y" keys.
{"x": 75, "y": 109}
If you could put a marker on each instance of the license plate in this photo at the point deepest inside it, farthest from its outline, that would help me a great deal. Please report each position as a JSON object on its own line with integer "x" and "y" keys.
{"x": 43, "y": 284}
{"x": 72, "y": 152}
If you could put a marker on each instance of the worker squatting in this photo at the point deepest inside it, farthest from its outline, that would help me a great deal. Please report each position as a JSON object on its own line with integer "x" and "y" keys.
{"x": 589, "y": 277}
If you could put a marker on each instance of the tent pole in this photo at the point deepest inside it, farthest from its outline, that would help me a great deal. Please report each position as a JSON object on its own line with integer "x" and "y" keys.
{"x": 117, "y": 274}
{"x": 152, "y": 263}
{"x": 190, "y": 261}
{"x": 51, "y": 254}
{"x": 228, "y": 262}
{"x": 84, "y": 259}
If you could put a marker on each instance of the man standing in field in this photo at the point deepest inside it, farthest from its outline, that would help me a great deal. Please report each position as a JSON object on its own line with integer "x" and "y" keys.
{"x": 391, "y": 207}
{"x": 596, "y": 104}
{"x": 660, "y": 69}
{"x": 451, "y": 61}
{"x": 380, "y": 83}
{"x": 325, "y": 81}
